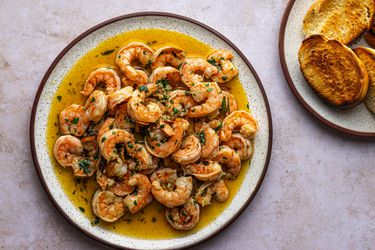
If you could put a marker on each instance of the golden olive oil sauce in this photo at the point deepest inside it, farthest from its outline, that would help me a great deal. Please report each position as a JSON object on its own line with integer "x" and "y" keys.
{"x": 149, "y": 223}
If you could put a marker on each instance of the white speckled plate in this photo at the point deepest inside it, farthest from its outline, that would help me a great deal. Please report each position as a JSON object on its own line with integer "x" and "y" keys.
{"x": 358, "y": 121}
{"x": 90, "y": 39}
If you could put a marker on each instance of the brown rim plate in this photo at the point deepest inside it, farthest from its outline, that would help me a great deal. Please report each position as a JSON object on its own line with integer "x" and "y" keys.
{"x": 359, "y": 121}
{"x": 90, "y": 39}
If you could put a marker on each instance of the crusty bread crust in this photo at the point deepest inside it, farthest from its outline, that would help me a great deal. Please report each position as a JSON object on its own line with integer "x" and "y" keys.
{"x": 341, "y": 20}
{"x": 367, "y": 56}
{"x": 333, "y": 71}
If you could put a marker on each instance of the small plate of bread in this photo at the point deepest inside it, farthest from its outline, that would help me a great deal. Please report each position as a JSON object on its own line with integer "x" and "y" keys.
{"x": 327, "y": 52}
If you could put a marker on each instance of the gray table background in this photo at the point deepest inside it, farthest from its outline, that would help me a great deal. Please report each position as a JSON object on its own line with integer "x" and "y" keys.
{"x": 319, "y": 192}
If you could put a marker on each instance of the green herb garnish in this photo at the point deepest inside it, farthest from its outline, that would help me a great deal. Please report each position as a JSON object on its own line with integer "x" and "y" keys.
{"x": 175, "y": 111}
{"x": 59, "y": 97}
{"x": 107, "y": 52}
{"x": 143, "y": 88}
{"x": 75, "y": 120}
{"x": 202, "y": 138}
{"x": 219, "y": 127}
{"x": 84, "y": 164}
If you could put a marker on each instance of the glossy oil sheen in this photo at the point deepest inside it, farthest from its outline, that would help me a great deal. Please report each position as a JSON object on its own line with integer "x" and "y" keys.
{"x": 150, "y": 223}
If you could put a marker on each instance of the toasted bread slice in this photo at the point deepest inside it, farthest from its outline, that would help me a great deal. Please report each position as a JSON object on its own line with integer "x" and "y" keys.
{"x": 367, "y": 56}
{"x": 334, "y": 71}
{"x": 341, "y": 20}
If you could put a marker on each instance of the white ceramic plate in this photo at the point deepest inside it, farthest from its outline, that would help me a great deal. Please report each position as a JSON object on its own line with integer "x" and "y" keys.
{"x": 358, "y": 121}
{"x": 89, "y": 40}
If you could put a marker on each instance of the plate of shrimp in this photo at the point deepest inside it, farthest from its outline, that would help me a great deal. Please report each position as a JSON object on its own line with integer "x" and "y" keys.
{"x": 151, "y": 131}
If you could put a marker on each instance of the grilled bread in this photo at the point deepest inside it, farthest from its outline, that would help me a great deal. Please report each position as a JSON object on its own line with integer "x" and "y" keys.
{"x": 333, "y": 71}
{"x": 367, "y": 56}
{"x": 341, "y": 20}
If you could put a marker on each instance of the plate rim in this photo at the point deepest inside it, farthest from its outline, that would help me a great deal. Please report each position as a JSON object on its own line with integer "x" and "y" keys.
{"x": 105, "y": 23}
{"x": 294, "y": 90}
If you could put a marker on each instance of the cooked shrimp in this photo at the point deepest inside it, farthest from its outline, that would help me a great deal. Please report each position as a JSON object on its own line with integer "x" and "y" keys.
{"x": 241, "y": 121}
{"x": 109, "y": 139}
{"x": 221, "y": 191}
{"x": 206, "y": 171}
{"x": 216, "y": 124}
{"x": 107, "y": 206}
{"x": 185, "y": 217}
{"x": 210, "y": 93}
{"x": 145, "y": 162}
{"x": 89, "y": 164}
{"x": 138, "y": 111}
{"x": 229, "y": 104}
{"x": 229, "y": 158}
{"x": 73, "y": 120}
{"x": 103, "y": 180}
{"x": 163, "y": 125}
{"x": 115, "y": 178}
{"x": 105, "y": 76}
{"x": 119, "y": 96}
{"x": 208, "y": 139}
{"x": 108, "y": 124}
{"x": 165, "y": 75}
{"x": 170, "y": 190}
{"x": 179, "y": 102}
{"x": 164, "y": 78}
{"x": 121, "y": 186}
{"x": 116, "y": 168}
{"x": 206, "y": 190}
{"x": 204, "y": 194}
{"x": 141, "y": 79}
{"x": 168, "y": 56}
{"x": 161, "y": 146}
{"x": 189, "y": 152}
{"x": 222, "y": 59}
{"x": 96, "y": 105}
{"x": 194, "y": 70}
{"x": 130, "y": 54}
{"x": 68, "y": 150}
{"x": 142, "y": 196}
{"x": 122, "y": 118}
{"x": 241, "y": 145}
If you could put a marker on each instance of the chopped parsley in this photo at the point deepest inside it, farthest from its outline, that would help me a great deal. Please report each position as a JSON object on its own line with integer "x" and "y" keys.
{"x": 82, "y": 209}
{"x": 202, "y": 138}
{"x": 214, "y": 63}
{"x": 163, "y": 82}
{"x": 148, "y": 64}
{"x": 59, "y": 97}
{"x": 219, "y": 127}
{"x": 175, "y": 111}
{"x": 107, "y": 52}
{"x": 135, "y": 202}
{"x": 130, "y": 145}
{"x": 75, "y": 120}
{"x": 143, "y": 88}
{"x": 223, "y": 108}
{"x": 95, "y": 221}
{"x": 84, "y": 164}
{"x": 223, "y": 78}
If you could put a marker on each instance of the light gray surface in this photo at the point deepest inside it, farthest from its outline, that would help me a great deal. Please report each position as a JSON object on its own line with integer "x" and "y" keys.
{"x": 319, "y": 192}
